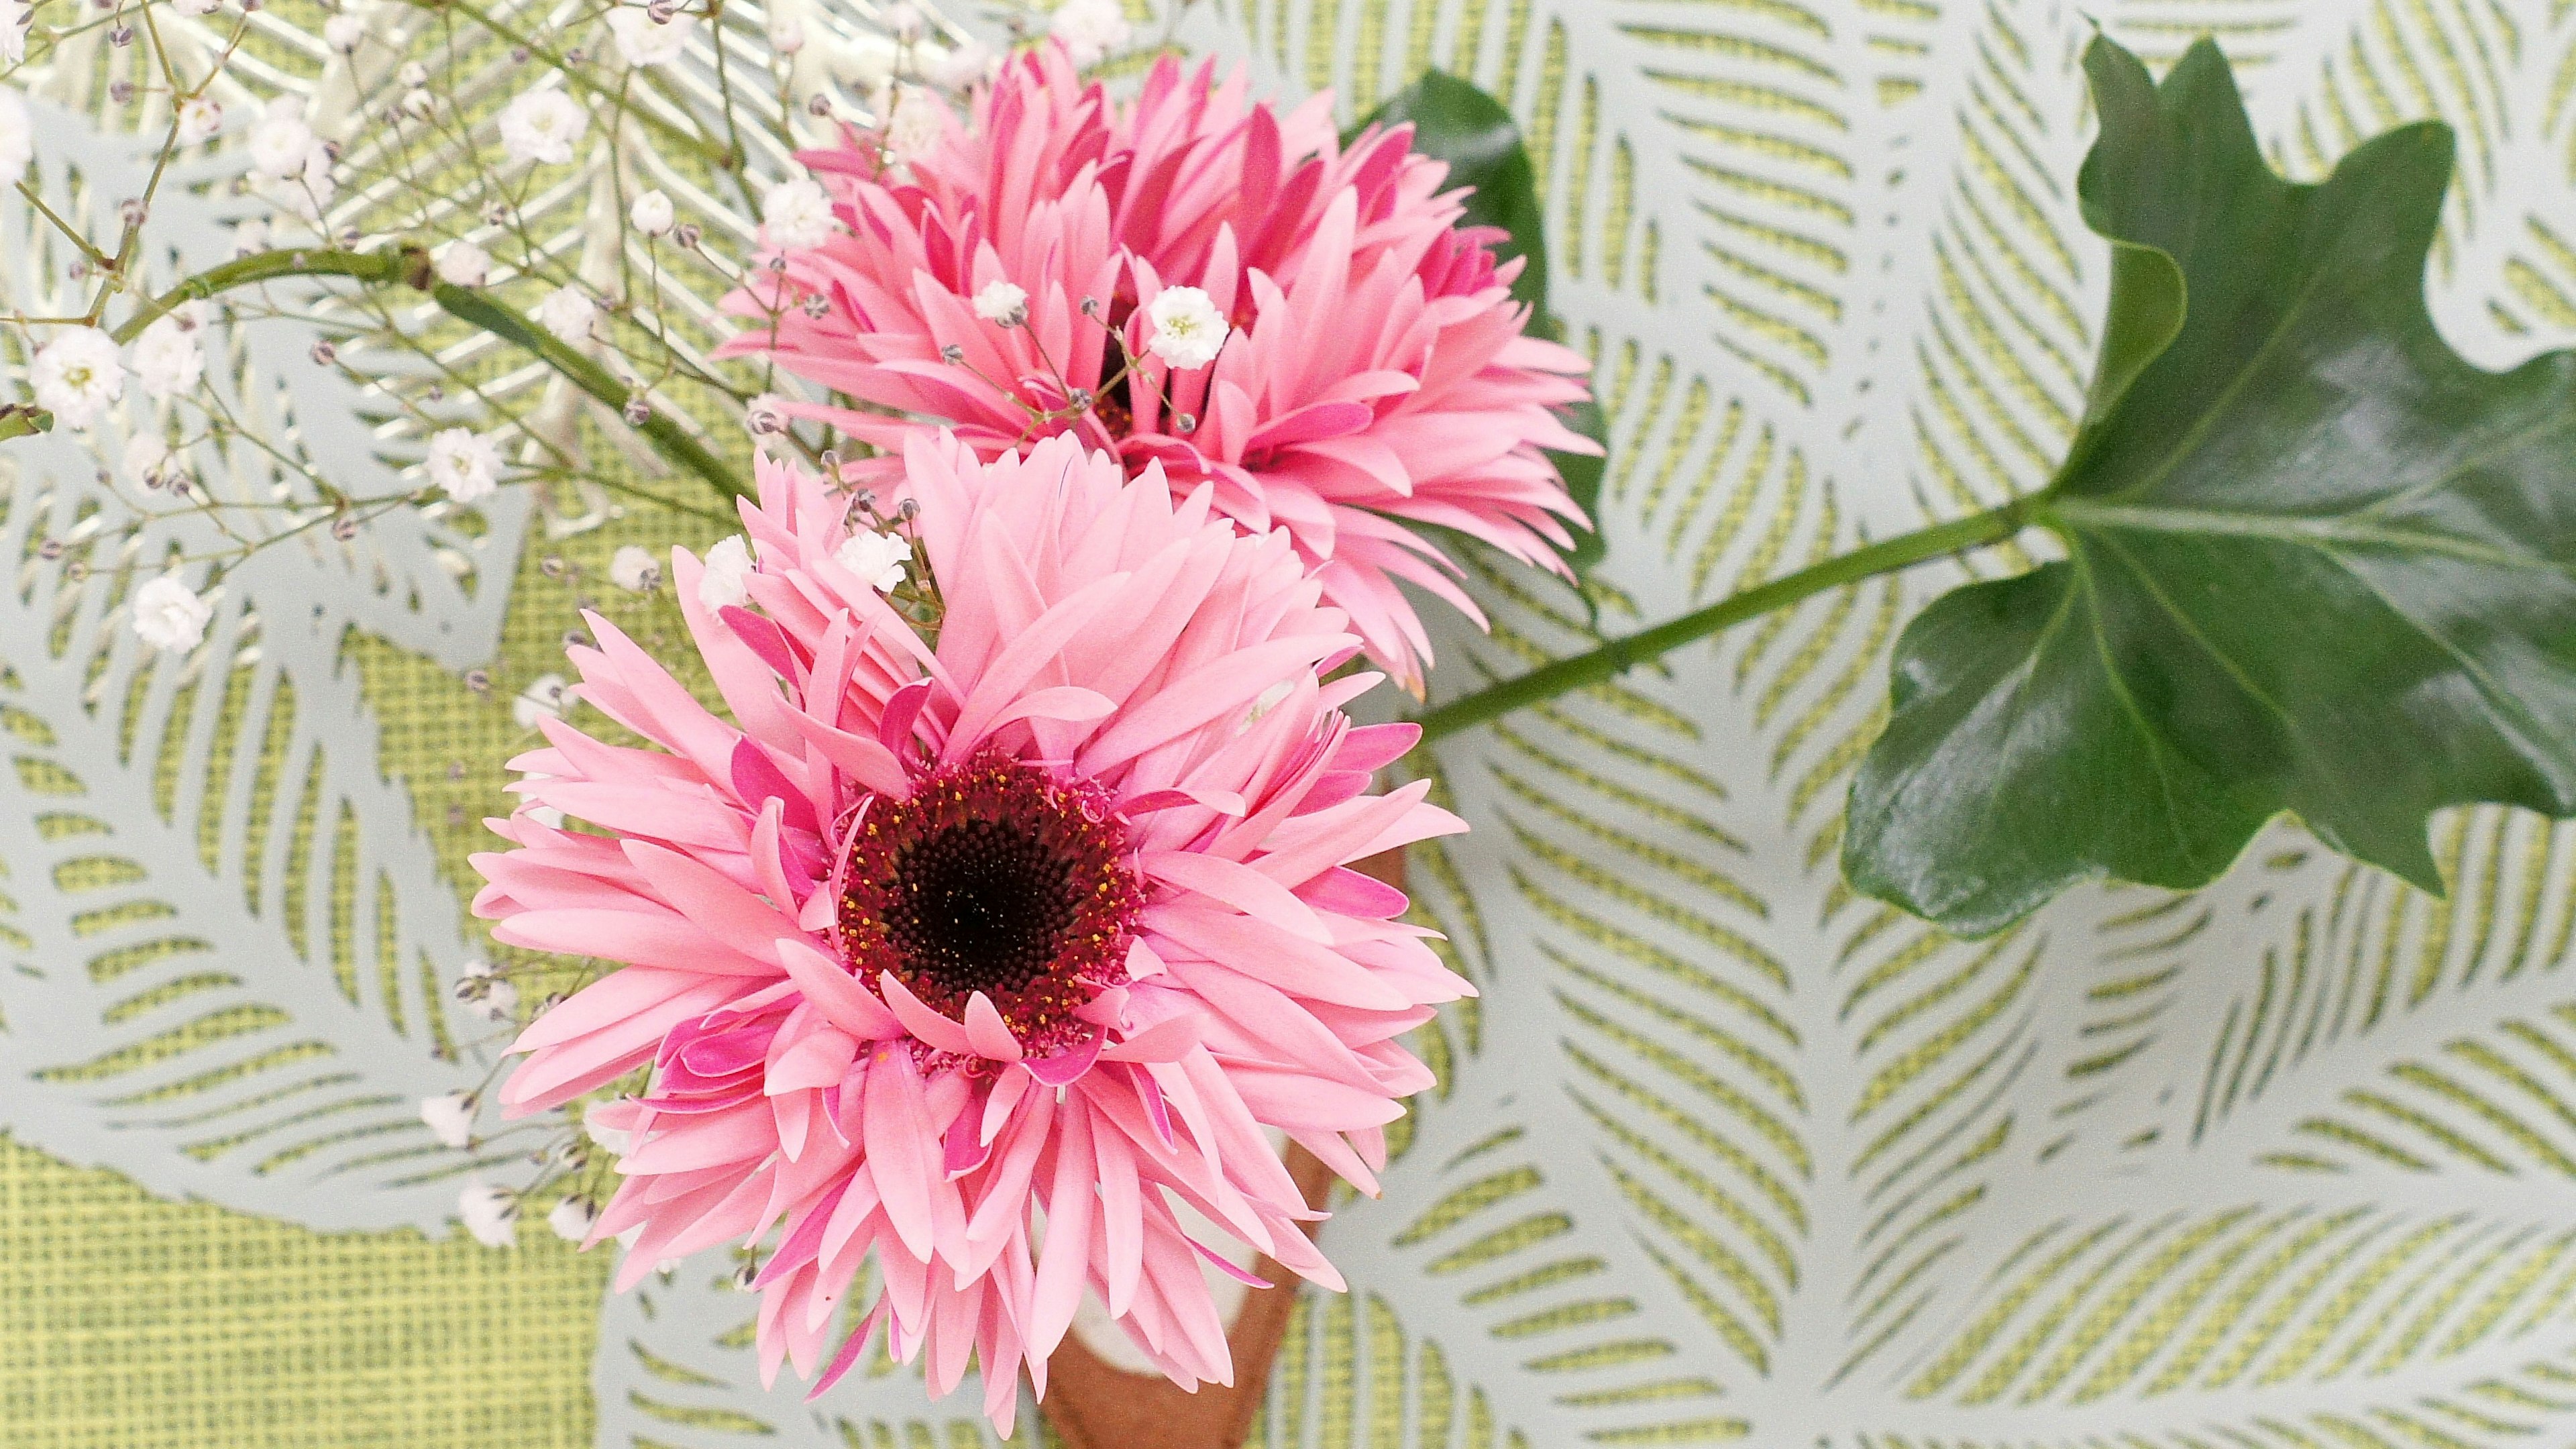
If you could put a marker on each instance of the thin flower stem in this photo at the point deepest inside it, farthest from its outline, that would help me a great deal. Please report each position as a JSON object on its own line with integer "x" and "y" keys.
{"x": 661, "y": 429}
{"x": 670, "y": 131}
{"x": 1617, "y": 656}
{"x": 96, "y": 257}
{"x": 410, "y": 266}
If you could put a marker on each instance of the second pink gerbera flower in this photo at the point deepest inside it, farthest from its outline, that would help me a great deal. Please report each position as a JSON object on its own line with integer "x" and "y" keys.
{"x": 1377, "y": 377}
{"x": 1051, "y": 917}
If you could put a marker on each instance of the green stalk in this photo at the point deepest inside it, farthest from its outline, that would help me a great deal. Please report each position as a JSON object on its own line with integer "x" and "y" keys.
{"x": 410, "y": 267}
{"x": 661, "y": 429}
{"x": 407, "y": 264}
{"x": 1617, "y": 656}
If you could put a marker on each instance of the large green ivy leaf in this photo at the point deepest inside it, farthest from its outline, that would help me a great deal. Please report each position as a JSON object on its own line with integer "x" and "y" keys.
{"x": 2316, "y": 562}
{"x": 1457, "y": 122}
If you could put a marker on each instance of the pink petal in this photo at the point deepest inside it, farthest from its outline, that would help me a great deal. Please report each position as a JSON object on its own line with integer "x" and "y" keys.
{"x": 835, "y": 992}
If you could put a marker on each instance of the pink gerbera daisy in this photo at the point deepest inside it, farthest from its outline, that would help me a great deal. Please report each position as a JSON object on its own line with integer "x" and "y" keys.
{"x": 1051, "y": 915}
{"x": 1376, "y": 374}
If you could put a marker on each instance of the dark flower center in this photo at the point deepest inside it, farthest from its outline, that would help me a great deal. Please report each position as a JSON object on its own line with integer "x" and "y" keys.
{"x": 993, "y": 877}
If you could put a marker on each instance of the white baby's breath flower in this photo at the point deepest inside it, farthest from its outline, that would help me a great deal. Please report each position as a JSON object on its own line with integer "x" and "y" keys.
{"x": 1003, "y": 304}
{"x": 971, "y": 63}
{"x": 250, "y": 236}
{"x": 146, "y": 458}
{"x": 876, "y": 557}
{"x": 200, "y": 117}
{"x": 765, "y": 415}
{"x": 491, "y": 1213}
{"x": 902, "y": 20}
{"x": 463, "y": 264}
{"x": 786, "y": 31}
{"x": 500, "y": 1001}
{"x": 468, "y": 467}
{"x": 728, "y": 564}
{"x": 567, "y": 312}
{"x": 17, "y": 129}
{"x": 15, "y": 17}
{"x": 643, "y": 40}
{"x": 77, "y": 375}
{"x": 170, "y": 615}
{"x": 542, "y": 699}
{"x": 450, "y": 1118}
{"x": 573, "y": 1218}
{"x": 652, "y": 213}
{"x": 282, "y": 145}
{"x": 635, "y": 570}
{"x": 797, "y": 215}
{"x": 542, "y": 126}
{"x": 412, "y": 76}
{"x": 1188, "y": 330}
{"x": 867, "y": 62}
{"x": 168, "y": 359}
{"x": 1090, "y": 29}
{"x": 344, "y": 32}
{"x": 916, "y": 119}
{"x": 309, "y": 190}
{"x": 198, "y": 8}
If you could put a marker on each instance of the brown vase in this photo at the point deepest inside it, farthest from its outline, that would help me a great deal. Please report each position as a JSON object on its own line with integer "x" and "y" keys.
{"x": 1093, "y": 1404}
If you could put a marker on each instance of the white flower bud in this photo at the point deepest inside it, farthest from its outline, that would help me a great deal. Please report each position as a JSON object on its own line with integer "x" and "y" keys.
{"x": 635, "y": 570}
{"x": 491, "y": 1213}
{"x": 652, "y": 214}
{"x": 573, "y": 1218}
{"x": 463, "y": 264}
{"x": 542, "y": 699}
{"x": 450, "y": 1118}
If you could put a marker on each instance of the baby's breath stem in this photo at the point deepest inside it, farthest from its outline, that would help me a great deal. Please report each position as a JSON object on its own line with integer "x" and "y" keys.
{"x": 410, "y": 266}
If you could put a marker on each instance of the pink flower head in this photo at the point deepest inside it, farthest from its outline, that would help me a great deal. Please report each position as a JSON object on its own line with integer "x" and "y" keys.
{"x": 1376, "y": 375}
{"x": 1052, "y": 914}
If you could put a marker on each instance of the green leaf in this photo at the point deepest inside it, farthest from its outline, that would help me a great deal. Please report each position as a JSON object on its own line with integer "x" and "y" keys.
{"x": 2316, "y": 562}
{"x": 1455, "y": 122}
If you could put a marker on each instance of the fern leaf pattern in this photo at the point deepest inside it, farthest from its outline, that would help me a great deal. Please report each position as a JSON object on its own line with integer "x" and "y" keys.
{"x": 226, "y": 947}
{"x": 226, "y": 959}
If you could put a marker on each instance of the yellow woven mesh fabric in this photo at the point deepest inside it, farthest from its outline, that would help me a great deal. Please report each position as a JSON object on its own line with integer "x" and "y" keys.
{"x": 129, "y": 1322}
{"x": 140, "y": 1324}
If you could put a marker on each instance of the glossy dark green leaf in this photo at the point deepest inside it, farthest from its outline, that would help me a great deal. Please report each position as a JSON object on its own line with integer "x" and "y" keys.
{"x": 2316, "y": 562}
